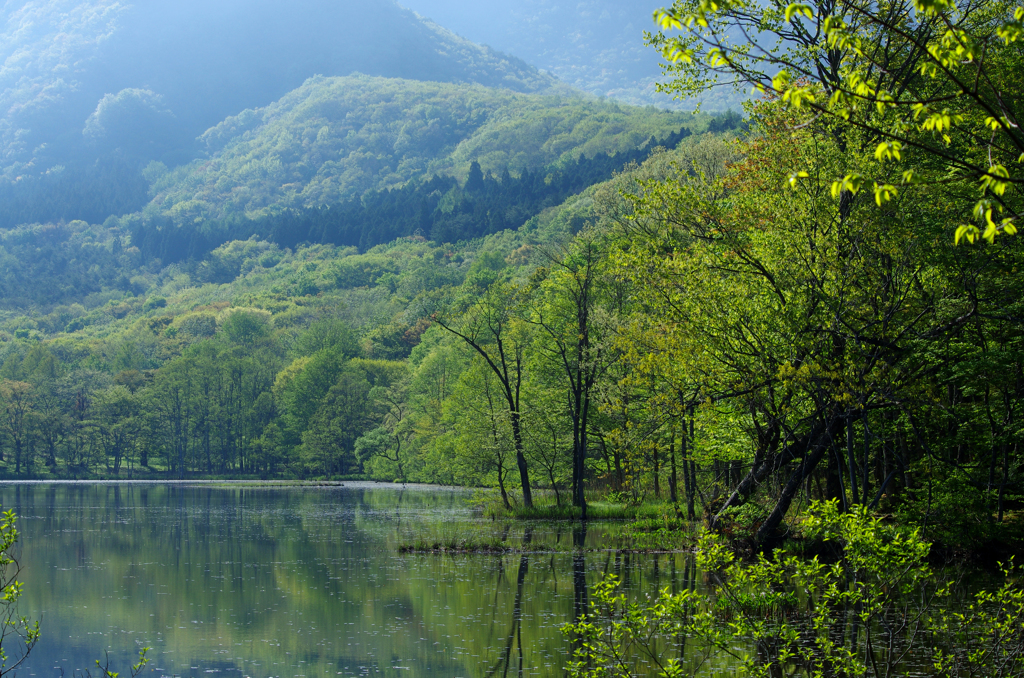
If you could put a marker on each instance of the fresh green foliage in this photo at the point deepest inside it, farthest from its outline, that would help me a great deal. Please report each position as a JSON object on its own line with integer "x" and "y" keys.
{"x": 333, "y": 139}
{"x": 919, "y": 89}
{"x": 986, "y": 635}
{"x": 18, "y": 635}
{"x": 681, "y": 333}
{"x": 873, "y": 611}
{"x": 136, "y": 669}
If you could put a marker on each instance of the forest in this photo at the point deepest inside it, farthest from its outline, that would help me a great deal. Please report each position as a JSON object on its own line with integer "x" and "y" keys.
{"x": 562, "y": 299}
{"x": 430, "y": 341}
{"x": 553, "y": 357}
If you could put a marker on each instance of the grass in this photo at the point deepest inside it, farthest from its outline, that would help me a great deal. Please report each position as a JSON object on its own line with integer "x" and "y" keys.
{"x": 466, "y": 545}
{"x": 597, "y": 509}
{"x": 665, "y": 533}
{"x": 649, "y": 527}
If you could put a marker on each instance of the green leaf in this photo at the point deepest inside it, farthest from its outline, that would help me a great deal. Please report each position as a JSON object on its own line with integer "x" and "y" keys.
{"x": 781, "y": 81}
{"x": 887, "y": 150}
{"x": 851, "y": 183}
{"x": 667, "y": 20}
{"x": 795, "y": 177}
{"x": 884, "y": 193}
{"x": 798, "y": 8}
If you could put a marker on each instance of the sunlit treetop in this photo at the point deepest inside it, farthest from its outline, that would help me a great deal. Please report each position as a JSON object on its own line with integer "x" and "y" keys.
{"x": 928, "y": 88}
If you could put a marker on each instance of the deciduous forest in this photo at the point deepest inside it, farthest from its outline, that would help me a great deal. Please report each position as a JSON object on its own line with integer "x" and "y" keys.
{"x": 778, "y": 352}
{"x": 552, "y": 296}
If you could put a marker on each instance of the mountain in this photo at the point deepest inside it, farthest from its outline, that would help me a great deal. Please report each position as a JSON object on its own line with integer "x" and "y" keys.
{"x": 595, "y": 46}
{"x": 334, "y": 138}
{"x": 345, "y": 162}
{"x": 88, "y": 81}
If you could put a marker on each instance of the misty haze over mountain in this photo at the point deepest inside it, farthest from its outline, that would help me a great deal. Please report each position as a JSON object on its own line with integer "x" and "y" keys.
{"x": 93, "y": 91}
{"x": 80, "y": 79}
{"x": 596, "y": 46}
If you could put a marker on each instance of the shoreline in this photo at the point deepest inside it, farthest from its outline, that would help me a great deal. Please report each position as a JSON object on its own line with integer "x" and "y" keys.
{"x": 269, "y": 484}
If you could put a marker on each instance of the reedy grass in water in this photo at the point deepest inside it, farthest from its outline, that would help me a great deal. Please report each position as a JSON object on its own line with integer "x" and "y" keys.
{"x": 468, "y": 545}
{"x": 598, "y": 508}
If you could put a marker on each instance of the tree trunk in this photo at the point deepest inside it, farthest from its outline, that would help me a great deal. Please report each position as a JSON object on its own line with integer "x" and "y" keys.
{"x": 691, "y": 493}
{"x": 580, "y": 459}
{"x": 1006, "y": 477}
{"x": 673, "y": 492}
{"x": 819, "y": 445}
{"x": 851, "y": 461}
{"x": 501, "y": 487}
{"x": 689, "y": 470}
{"x": 524, "y": 473}
{"x": 554, "y": 486}
{"x": 766, "y": 462}
{"x": 834, "y": 479}
{"x": 657, "y": 474}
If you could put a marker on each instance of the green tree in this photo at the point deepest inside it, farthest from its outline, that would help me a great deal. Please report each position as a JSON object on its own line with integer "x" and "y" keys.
{"x": 17, "y": 400}
{"x": 481, "y": 426}
{"x": 329, "y": 333}
{"x": 493, "y": 329}
{"x": 805, "y": 320}
{"x": 571, "y": 323}
{"x": 548, "y": 433}
{"x": 247, "y": 326}
{"x": 343, "y": 416}
{"x": 172, "y": 403}
{"x": 927, "y": 88}
{"x": 116, "y": 418}
{"x": 302, "y": 386}
{"x": 386, "y": 448}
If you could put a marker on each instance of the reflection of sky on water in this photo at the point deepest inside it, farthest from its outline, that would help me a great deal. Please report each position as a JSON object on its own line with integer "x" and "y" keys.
{"x": 298, "y": 582}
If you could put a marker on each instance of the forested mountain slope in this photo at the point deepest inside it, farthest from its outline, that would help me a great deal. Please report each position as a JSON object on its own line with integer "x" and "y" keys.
{"x": 296, "y": 348}
{"x": 94, "y": 87}
{"x": 335, "y": 138}
{"x": 46, "y": 266}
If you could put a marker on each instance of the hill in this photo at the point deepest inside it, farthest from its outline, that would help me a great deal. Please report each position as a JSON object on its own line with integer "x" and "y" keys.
{"x": 335, "y": 138}
{"x": 91, "y": 90}
{"x": 254, "y": 333}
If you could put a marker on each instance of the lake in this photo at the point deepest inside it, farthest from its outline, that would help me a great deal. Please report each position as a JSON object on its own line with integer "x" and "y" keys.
{"x": 301, "y": 581}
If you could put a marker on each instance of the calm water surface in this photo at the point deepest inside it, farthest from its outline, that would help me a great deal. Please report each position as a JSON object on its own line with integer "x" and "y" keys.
{"x": 300, "y": 581}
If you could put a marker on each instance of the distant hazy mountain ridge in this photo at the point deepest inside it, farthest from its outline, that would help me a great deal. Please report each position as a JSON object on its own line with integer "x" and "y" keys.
{"x": 596, "y": 46}
{"x": 43, "y": 47}
{"x": 209, "y": 114}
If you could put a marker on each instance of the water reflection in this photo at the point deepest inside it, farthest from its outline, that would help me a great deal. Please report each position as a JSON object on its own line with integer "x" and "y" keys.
{"x": 579, "y": 570}
{"x": 302, "y": 582}
{"x": 515, "y": 636}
